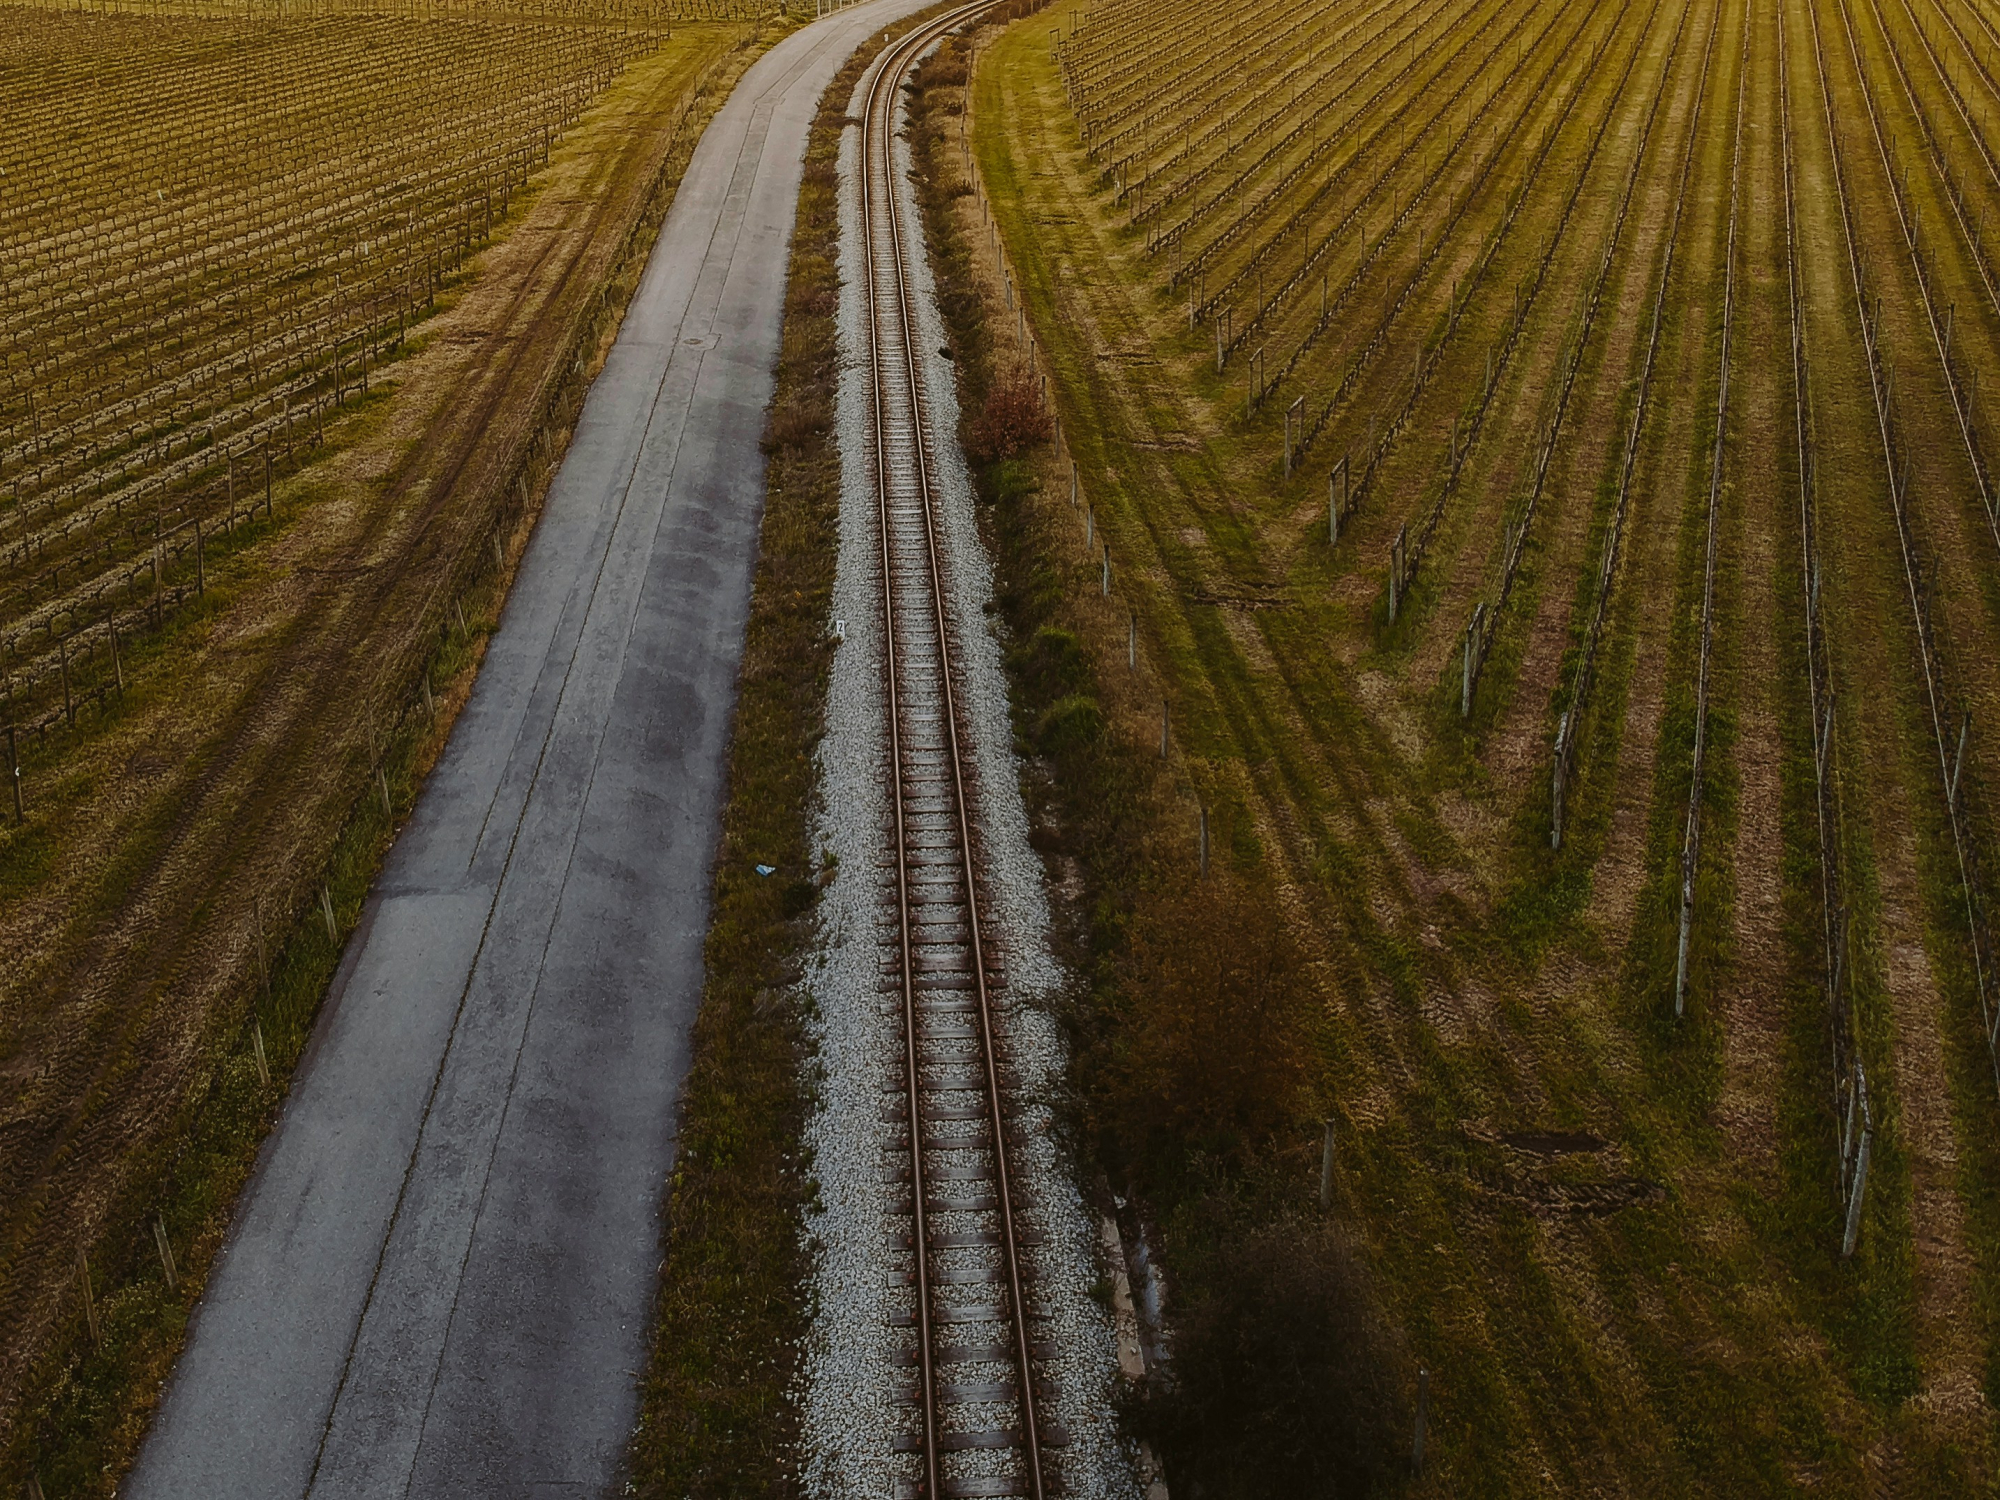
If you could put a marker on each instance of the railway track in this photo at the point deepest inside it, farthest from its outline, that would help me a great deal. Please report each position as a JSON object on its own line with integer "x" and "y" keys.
{"x": 964, "y": 1327}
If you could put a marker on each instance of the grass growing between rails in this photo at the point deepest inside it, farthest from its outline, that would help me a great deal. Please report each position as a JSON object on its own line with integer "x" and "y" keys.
{"x": 290, "y": 878}
{"x": 1614, "y": 1287}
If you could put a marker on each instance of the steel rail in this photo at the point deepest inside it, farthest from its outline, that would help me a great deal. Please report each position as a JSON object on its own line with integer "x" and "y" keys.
{"x": 891, "y": 328}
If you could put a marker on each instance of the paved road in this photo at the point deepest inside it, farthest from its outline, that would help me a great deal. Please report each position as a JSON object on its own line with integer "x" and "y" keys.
{"x": 439, "y": 1280}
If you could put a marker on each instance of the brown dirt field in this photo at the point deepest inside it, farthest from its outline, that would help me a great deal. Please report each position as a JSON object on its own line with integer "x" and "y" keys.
{"x": 206, "y": 810}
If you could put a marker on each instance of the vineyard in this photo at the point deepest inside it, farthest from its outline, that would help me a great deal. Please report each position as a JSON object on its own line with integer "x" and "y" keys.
{"x": 297, "y": 304}
{"x": 1542, "y": 452}
{"x": 212, "y": 233}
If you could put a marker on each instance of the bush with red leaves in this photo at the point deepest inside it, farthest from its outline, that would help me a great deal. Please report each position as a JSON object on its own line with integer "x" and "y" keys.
{"x": 1012, "y": 420}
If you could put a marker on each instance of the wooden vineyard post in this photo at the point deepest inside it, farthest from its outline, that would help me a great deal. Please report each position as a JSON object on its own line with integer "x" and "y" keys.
{"x": 14, "y": 774}
{"x": 1471, "y": 647}
{"x": 1326, "y": 1167}
{"x": 83, "y": 1285}
{"x": 1294, "y": 414}
{"x": 166, "y": 1251}
{"x": 1396, "y": 550}
{"x": 1556, "y": 786}
{"x": 69, "y": 703}
{"x": 1958, "y": 761}
{"x": 1336, "y": 499}
{"x": 117, "y": 660}
{"x": 1855, "y": 1196}
{"x": 200, "y": 569}
{"x": 1681, "y": 947}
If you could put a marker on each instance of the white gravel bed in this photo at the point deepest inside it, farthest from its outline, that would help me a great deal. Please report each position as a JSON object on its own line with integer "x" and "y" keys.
{"x": 847, "y": 1381}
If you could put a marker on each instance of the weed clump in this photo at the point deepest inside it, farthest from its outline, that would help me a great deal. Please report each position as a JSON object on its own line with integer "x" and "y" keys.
{"x": 798, "y": 423}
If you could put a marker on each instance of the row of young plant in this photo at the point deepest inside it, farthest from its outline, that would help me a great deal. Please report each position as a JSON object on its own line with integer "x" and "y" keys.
{"x": 1950, "y": 747}
{"x": 134, "y": 551}
{"x": 1576, "y": 698}
{"x": 1414, "y": 95}
{"x": 1853, "y": 1114}
{"x": 1691, "y": 831}
{"x": 1407, "y": 555}
{"x": 1483, "y": 627}
{"x": 1458, "y": 201}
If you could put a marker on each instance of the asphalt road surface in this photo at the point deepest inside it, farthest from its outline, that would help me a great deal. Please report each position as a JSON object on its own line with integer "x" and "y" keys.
{"x": 439, "y": 1280}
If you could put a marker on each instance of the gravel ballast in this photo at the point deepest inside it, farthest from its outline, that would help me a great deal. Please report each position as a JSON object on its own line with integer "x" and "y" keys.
{"x": 850, "y": 1413}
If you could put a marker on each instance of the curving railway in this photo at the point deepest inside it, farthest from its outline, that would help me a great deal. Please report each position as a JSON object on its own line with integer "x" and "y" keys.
{"x": 965, "y": 1321}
